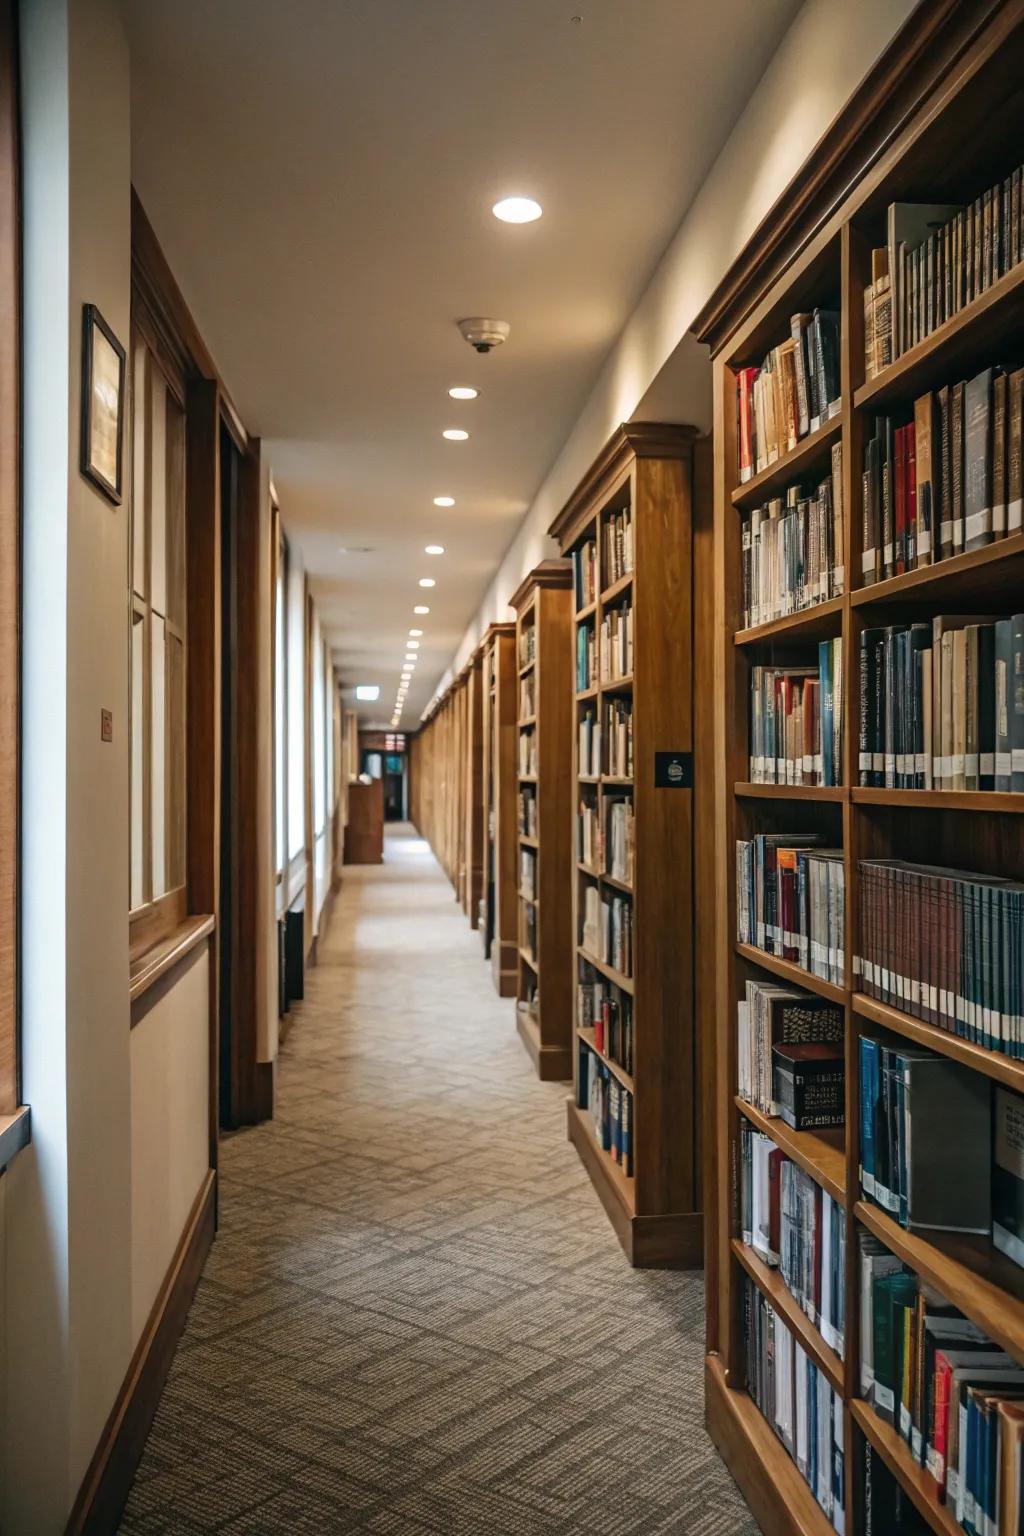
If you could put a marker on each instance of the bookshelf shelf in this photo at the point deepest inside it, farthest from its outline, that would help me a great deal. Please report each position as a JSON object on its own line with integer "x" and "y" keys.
{"x": 770, "y": 1282}
{"x": 941, "y": 799}
{"x": 809, "y": 452}
{"x": 812, "y": 623}
{"x": 583, "y": 614}
{"x": 747, "y": 791}
{"x": 500, "y": 915}
{"x": 819, "y": 1153}
{"x": 991, "y": 573}
{"x": 895, "y": 1453}
{"x": 588, "y": 693}
{"x": 970, "y": 338}
{"x": 524, "y": 671}
{"x": 543, "y": 605}
{"x": 631, "y": 531}
{"x": 967, "y": 1270}
{"x": 525, "y": 838}
{"x": 823, "y": 250}
{"x": 624, "y": 1077}
{"x": 1003, "y": 1069}
{"x": 791, "y": 973}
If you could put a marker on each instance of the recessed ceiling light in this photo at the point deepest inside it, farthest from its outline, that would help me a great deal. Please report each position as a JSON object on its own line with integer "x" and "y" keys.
{"x": 433, "y": 549}
{"x": 427, "y": 581}
{"x": 368, "y": 692}
{"x": 455, "y": 434}
{"x": 444, "y": 501}
{"x": 410, "y": 656}
{"x": 463, "y": 392}
{"x": 413, "y": 645}
{"x": 420, "y": 608}
{"x": 517, "y": 210}
{"x": 415, "y": 632}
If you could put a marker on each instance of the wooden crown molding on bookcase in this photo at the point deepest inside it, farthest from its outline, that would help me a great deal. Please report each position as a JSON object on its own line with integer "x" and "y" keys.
{"x": 549, "y": 573}
{"x": 633, "y": 439}
{"x": 920, "y": 57}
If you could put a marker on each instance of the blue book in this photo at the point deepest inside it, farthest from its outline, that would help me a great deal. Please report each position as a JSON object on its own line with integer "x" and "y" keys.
{"x": 825, "y": 720}
{"x": 868, "y": 1098}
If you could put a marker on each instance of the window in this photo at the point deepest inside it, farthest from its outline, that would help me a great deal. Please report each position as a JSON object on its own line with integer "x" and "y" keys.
{"x": 319, "y": 749}
{"x": 157, "y": 706}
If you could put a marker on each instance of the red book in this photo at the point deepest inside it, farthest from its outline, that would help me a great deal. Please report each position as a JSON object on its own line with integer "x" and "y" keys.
{"x": 774, "y": 1201}
{"x": 911, "y": 463}
{"x": 900, "y": 522}
{"x": 745, "y": 410}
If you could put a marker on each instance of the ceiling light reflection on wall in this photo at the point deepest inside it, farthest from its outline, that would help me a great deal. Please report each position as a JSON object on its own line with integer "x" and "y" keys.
{"x": 463, "y": 392}
{"x": 517, "y": 210}
{"x": 455, "y": 434}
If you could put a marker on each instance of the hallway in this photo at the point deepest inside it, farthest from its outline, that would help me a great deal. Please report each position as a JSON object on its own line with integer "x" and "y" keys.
{"x": 416, "y": 1317}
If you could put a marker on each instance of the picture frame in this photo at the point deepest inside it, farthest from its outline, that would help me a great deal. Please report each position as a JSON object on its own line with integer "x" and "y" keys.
{"x": 103, "y": 392}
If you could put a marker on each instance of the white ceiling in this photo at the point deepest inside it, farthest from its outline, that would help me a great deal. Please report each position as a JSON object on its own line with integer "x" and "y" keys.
{"x": 320, "y": 174}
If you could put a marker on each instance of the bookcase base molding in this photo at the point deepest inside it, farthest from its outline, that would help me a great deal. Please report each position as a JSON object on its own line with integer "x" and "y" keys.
{"x": 779, "y": 1499}
{"x": 504, "y": 967}
{"x": 649, "y": 1242}
{"x": 552, "y": 1063}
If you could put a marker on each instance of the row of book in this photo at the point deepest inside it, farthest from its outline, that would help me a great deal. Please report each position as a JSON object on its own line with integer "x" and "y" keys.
{"x": 945, "y": 946}
{"x": 528, "y": 753}
{"x": 526, "y": 818}
{"x": 769, "y": 1016}
{"x": 588, "y": 733}
{"x": 527, "y": 697}
{"x": 948, "y": 480}
{"x": 796, "y": 721}
{"x": 791, "y": 900}
{"x": 529, "y": 928}
{"x": 589, "y": 849}
{"x": 793, "y": 1224}
{"x": 586, "y": 657}
{"x": 795, "y": 390}
{"x": 948, "y": 1390}
{"x": 942, "y": 704}
{"x": 584, "y": 573}
{"x": 527, "y": 873}
{"x": 618, "y": 737}
{"x": 610, "y": 1106}
{"x": 617, "y": 553}
{"x": 606, "y": 929}
{"x": 608, "y": 1011}
{"x": 527, "y": 644}
{"x": 971, "y": 1181}
{"x": 618, "y": 839}
{"x": 793, "y": 550}
{"x": 797, "y": 1400}
{"x": 616, "y": 648}
{"x": 938, "y": 258}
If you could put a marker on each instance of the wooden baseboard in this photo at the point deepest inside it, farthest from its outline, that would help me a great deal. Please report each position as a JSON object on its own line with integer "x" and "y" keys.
{"x": 552, "y": 1063}
{"x": 105, "y": 1487}
{"x": 779, "y": 1499}
{"x": 673, "y": 1241}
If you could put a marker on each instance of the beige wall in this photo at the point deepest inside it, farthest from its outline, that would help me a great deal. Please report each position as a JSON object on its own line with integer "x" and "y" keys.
{"x": 170, "y": 1127}
{"x": 826, "y": 53}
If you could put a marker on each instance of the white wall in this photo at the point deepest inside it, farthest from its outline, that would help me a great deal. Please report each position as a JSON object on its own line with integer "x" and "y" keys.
{"x": 827, "y": 51}
{"x": 170, "y": 1127}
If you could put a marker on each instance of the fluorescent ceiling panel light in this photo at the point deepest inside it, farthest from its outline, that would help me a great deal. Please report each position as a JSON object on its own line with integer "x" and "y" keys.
{"x": 368, "y": 692}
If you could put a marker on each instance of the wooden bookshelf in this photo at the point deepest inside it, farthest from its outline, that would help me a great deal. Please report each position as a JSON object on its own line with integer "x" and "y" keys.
{"x": 544, "y": 792}
{"x": 438, "y": 761}
{"x": 645, "y": 475}
{"x": 499, "y": 920}
{"x": 947, "y": 85}
{"x": 473, "y": 787}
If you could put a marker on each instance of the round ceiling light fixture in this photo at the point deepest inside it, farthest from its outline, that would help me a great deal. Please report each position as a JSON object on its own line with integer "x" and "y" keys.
{"x": 420, "y": 608}
{"x": 433, "y": 549}
{"x": 427, "y": 581}
{"x": 444, "y": 501}
{"x": 455, "y": 434}
{"x": 517, "y": 210}
{"x": 463, "y": 392}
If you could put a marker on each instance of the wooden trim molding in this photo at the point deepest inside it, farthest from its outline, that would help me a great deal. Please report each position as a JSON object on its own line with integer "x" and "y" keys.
{"x": 634, "y": 439}
{"x": 104, "y": 1491}
{"x": 921, "y": 55}
{"x": 549, "y": 573}
{"x": 163, "y": 961}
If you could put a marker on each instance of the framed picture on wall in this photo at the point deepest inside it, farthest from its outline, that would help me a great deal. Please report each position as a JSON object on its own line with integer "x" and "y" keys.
{"x": 103, "y": 368}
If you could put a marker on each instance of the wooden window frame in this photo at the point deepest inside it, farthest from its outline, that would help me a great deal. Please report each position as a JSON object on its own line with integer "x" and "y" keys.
{"x": 158, "y": 919}
{"x": 10, "y": 567}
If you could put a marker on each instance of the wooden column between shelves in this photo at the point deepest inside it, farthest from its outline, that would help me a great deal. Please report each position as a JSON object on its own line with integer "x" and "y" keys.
{"x": 647, "y": 471}
{"x": 500, "y": 804}
{"x": 544, "y": 602}
{"x": 473, "y": 792}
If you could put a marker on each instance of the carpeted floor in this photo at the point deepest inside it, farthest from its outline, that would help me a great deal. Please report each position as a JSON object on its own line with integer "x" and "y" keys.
{"x": 416, "y": 1318}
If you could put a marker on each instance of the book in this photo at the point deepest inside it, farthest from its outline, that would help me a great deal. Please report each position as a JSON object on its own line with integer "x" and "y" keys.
{"x": 792, "y": 550}
{"x": 770, "y": 1015}
{"x": 794, "y": 391}
{"x": 808, "y": 1085}
{"x": 978, "y": 526}
{"x": 1008, "y": 1174}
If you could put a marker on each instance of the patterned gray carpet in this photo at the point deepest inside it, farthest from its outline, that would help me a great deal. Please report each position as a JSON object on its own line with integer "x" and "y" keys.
{"x": 416, "y": 1319}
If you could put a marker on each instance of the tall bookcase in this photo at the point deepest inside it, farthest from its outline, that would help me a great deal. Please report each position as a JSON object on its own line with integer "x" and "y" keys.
{"x": 473, "y": 836}
{"x": 499, "y": 915}
{"x": 951, "y": 83}
{"x": 630, "y": 532}
{"x": 544, "y": 812}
